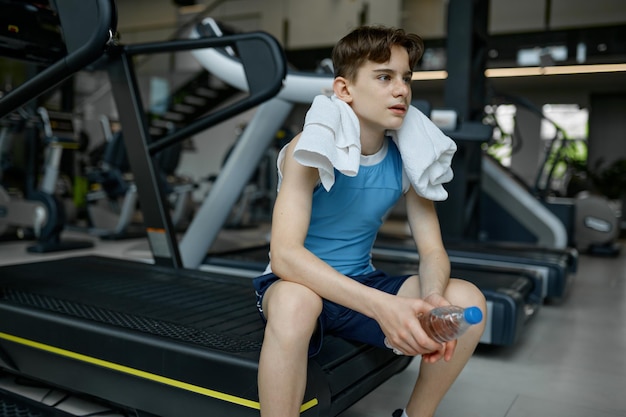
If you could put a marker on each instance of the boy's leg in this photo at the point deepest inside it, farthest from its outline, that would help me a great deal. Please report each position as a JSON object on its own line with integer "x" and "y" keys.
{"x": 435, "y": 379}
{"x": 292, "y": 311}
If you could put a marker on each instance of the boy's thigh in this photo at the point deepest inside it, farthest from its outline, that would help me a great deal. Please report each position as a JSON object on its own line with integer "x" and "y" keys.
{"x": 410, "y": 287}
{"x": 349, "y": 324}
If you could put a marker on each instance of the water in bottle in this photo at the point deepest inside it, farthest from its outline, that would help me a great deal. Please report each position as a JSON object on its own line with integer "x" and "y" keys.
{"x": 449, "y": 322}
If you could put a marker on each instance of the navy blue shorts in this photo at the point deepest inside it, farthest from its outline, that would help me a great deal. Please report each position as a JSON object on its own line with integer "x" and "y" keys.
{"x": 338, "y": 320}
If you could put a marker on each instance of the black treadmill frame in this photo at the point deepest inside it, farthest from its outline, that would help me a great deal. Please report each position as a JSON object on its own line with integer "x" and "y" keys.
{"x": 98, "y": 19}
{"x": 141, "y": 148}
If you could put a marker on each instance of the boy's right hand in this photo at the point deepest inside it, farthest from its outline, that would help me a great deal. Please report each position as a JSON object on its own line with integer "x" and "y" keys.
{"x": 398, "y": 319}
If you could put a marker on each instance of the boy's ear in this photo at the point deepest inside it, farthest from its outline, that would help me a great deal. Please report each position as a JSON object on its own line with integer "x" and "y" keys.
{"x": 341, "y": 89}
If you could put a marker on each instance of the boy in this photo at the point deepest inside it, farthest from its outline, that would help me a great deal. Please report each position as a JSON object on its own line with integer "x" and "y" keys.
{"x": 320, "y": 278}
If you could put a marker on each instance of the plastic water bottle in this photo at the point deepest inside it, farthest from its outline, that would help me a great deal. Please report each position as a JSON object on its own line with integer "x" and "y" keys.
{"x": 446, "y": 323}
{"x": 449, "y": 322}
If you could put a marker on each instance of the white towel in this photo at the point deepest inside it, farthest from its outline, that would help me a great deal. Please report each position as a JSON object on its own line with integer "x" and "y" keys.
{"x": 331, "y": 139}
{"x": 426, "y": 154}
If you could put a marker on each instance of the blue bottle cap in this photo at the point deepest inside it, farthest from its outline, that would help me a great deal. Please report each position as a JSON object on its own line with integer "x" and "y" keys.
{"x": 473, "y": 315}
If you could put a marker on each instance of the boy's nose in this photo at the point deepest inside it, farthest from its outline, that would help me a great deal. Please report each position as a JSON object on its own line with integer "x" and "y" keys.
{"x": 401, "y": 88}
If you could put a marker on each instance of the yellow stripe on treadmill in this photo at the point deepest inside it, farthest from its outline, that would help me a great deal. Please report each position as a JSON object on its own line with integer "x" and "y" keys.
{"x": 146, "y": 375}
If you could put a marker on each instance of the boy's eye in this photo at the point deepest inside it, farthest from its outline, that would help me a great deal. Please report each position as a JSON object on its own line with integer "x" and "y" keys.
{"x": 384, "y": 77}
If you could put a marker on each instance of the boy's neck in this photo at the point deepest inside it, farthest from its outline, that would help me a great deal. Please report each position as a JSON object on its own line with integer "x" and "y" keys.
{"x": 370, "y": 144}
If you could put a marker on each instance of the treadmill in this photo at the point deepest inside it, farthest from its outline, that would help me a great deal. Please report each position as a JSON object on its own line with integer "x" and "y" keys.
{"x": 156, "y": 338}
{"x": 558, "y": 267}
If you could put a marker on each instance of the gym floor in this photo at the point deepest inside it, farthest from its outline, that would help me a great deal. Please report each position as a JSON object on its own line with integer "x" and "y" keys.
{"x": 570, "y": 361}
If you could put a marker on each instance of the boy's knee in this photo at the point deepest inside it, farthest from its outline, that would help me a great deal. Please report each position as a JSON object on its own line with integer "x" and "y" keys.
{"x": 291, "y": 302}
{"x": 466, "y": 293}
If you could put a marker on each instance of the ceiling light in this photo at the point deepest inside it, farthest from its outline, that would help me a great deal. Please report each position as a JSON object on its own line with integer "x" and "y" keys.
{"x": 529, "y": 71}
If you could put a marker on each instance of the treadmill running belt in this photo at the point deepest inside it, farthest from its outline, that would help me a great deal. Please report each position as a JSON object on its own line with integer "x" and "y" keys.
{"x": 217, "y": 315}
{"x": 201, "y": 337}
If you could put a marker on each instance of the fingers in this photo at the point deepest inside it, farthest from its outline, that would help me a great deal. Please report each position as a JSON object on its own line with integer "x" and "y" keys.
{"x": 414, "y": 342}
{"x": 446, "y": 352}
{"x": 432, "y": 357}
{"x": 405, "y": 334}
{"x": 410, "y": 338}
{"x": 450, "y": 347}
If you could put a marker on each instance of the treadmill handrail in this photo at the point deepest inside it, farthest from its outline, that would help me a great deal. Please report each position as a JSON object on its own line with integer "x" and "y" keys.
{"x": 258, "y": 50}
{"x": 524, "y": 207}
{"x": 299, "y": 87}
{"x": 259, "y": 87}
{"x": 73, "y": 62}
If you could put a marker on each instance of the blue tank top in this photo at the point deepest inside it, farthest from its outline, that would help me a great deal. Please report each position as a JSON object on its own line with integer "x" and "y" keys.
{"x": 346, "y": 219}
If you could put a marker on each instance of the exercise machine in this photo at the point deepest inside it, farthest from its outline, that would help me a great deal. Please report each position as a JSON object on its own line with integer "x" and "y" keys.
{"x": 256, "y": 200}
{"x": 157, "y": 338}
{"x": 537, "y": 212}
{"x": 41, "y": 211}
{"x": 112, "y": 199}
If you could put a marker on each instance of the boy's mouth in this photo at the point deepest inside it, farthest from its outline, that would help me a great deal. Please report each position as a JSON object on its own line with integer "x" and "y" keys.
{"x": 398, "y": 108}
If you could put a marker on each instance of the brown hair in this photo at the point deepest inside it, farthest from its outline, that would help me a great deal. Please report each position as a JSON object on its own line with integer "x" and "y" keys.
{"x": 373, "y": 43}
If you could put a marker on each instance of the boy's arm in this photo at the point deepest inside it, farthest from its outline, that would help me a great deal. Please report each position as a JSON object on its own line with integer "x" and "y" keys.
{"x": 434, "y": 269}
{"x": 291, "y": 261}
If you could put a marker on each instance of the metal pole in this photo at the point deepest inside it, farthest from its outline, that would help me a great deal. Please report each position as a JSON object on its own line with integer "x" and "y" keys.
{"x": 234, "y": 176}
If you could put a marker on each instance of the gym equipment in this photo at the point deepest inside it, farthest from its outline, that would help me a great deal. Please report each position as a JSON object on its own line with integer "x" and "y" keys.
{"x": 41, "y": 211}
{"x": 556, "y": 268}
{"x": 112, "y": 200}
{"x": 520, "y": 208}
{"x": 66, "y": 55}
{"x": 257, "y": 198}
{"x": 160, "y": 338}
{"x": 589, "y": 222}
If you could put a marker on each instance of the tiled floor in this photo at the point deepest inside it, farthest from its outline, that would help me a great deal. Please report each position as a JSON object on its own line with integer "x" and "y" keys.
{"x": 570, "y": 362}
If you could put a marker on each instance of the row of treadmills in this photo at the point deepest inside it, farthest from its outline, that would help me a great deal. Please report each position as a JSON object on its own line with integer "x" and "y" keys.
{"x": 181, "y": 336}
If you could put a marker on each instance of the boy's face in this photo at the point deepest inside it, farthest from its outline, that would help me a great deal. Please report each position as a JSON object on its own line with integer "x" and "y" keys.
{"x": 381, "y": 93}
